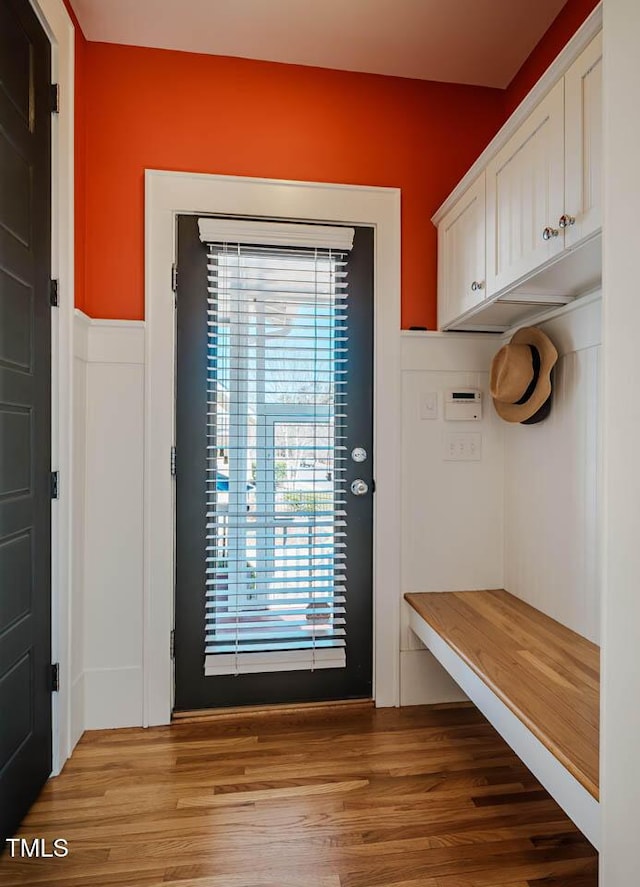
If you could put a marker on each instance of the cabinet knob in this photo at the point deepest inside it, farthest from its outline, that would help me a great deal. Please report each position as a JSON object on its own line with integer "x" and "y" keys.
{"x": 548, "y": 233}
{"x": 477, "y": 285}
{"x": 566, "y": 221}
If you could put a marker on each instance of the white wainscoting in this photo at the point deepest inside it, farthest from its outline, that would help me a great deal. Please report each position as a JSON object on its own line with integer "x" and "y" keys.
{"x": 453, "y": 527}
{"x": 452, "y": 512}
{"x": 552, "y": 532}
{"x": 108, "y": 527}
{"x": 525, "y": 517}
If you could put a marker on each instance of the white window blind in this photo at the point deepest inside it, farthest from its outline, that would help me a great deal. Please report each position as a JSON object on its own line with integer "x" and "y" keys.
{"x": 276, "y": 586}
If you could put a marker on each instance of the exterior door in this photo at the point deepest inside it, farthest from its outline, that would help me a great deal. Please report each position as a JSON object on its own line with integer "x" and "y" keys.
{"x": 274, "y": 400}
{"x": 25, "y": 411}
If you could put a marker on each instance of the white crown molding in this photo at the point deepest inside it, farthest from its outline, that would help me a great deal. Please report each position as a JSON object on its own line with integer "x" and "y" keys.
{"x": 557, "y": 69}
{"x": 216, "y": 230}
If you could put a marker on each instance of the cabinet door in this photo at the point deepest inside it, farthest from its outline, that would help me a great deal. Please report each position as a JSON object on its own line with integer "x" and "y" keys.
{"x": 583, "y": 145}
{"x": 462, "y": 255}
{"x": 525, "y": 196}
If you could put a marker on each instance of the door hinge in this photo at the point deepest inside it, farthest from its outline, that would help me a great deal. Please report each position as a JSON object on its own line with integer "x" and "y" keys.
{"x": 173, "y": 461}
{"x": 174, "y": 277}
{"x": 55, "y": 484}
{"x": 55, "y": 677}
{"x": 54, "y": 98}
{"x": 53, "y": 293}
{"x": 172, "y": 643}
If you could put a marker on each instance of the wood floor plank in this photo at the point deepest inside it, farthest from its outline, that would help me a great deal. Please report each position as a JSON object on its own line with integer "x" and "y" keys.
{"x": 420, "y": 797}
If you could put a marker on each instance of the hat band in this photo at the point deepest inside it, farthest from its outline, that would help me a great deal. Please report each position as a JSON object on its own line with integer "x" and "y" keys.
{"x": 535, "y": 360}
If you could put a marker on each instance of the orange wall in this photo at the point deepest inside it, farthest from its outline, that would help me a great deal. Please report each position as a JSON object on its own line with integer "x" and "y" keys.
{"x": 139, "y": 108}
{"x": 564, "y": 26}
{"x": 182, "y": 111}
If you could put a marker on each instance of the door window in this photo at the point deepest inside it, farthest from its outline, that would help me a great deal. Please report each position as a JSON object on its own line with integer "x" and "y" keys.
{"x": 276, "y": 522}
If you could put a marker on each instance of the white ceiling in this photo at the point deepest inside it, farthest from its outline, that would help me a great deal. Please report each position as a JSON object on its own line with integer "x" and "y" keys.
{"x": 482, "y": 42}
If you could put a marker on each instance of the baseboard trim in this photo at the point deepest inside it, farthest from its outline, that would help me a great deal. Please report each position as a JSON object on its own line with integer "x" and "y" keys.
{"x": 253, "y": 711}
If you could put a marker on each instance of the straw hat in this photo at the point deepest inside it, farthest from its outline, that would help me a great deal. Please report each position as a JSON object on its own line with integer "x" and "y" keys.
{"x": 521, "y": 376}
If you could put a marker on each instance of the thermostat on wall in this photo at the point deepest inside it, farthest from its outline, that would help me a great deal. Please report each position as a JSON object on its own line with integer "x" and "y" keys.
{"x": 463, "y": 405}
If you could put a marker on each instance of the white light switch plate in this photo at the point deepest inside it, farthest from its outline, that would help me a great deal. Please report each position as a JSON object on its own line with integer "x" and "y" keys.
{"x": 429, "y": 405}
{"x": 462, "y": 447}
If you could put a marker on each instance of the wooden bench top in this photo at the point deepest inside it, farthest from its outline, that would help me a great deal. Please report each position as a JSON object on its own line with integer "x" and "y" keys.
{"x": 548, "y": 675}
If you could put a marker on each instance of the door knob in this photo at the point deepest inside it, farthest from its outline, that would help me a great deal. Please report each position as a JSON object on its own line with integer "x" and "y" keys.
{"x": 548, "y": 233}
{"x": 359, "y": 487}
{"x": 477, "y": 285}
{"x": 566, "y": 221}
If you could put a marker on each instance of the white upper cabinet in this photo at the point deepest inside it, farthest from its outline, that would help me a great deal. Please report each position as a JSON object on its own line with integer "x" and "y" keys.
{"x": 533, "y": 201}
{"x": 583, "y": 145}
{"x": 462, "y": 254}
{"x": 525, "y": 196}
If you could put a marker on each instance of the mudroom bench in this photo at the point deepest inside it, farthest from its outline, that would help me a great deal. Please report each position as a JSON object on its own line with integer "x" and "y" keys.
{"x": 536, "y": 681}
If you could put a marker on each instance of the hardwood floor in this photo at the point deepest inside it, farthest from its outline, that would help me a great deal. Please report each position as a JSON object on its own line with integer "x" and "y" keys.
{"x": 414, "y": 797}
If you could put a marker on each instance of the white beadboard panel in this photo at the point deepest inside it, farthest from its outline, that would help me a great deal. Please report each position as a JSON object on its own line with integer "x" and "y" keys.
{"x": 112, "y": 697}
{"x": 114, "y": 516}
{"x": 79, "y": 440}
{"x": 113, "y": 634}
{"x": 452, "y": 512}
{"x": 452, "y": 526}
{"x": 423, "y": 681}
{"x": 552, "y": 478}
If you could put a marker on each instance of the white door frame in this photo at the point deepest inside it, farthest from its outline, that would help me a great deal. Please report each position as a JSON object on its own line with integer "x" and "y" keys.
{"x": 167, "y": 195}
{"x": 60, "y": 30}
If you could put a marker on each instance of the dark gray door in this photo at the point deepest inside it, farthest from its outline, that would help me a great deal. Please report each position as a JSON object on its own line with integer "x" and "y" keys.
{"x": 273, "y": 548}
{"x": 25, "y": 411}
